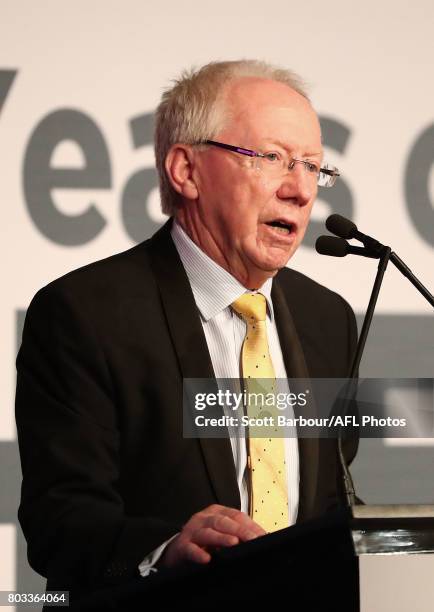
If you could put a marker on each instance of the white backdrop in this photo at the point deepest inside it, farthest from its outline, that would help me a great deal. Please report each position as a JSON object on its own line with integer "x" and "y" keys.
{"x": 103, "y": 66}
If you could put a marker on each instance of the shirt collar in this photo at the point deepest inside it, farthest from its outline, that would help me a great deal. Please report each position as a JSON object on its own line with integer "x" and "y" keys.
{"x": 214, "y": 289}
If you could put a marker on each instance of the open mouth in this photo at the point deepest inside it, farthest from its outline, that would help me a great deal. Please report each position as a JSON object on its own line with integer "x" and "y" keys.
{"x": 284, "y": 228}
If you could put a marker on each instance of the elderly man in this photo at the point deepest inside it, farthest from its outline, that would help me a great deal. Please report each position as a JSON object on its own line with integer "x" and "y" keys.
{"x": 110, "y": 485}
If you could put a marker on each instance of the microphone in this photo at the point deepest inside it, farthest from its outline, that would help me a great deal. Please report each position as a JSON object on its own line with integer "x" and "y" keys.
{"x": 329, "y": 245}
{"x": 338, "y": 247}
{"x": 344, "y": 228}
{"x": 340, "y": 226}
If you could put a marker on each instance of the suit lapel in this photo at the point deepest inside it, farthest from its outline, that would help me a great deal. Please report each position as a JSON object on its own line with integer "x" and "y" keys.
{"x": 296, "y": 367}
{"x": 189, "y": 342}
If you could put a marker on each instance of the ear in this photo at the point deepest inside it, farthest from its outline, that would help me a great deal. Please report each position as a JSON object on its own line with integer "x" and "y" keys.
{"x": 179, "y": 167}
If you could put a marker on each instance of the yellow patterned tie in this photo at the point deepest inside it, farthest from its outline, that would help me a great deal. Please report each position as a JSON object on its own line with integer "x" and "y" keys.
{"x": 269, "y": 490}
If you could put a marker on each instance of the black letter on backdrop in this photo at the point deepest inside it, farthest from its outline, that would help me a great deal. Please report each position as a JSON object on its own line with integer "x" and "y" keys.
{"x": 335, "y": 135}
{"x": 137, "y": 222}
{"x": 6, "y": 79}
{"x": 416, "y": 184}
{"x": 40, "y": 178}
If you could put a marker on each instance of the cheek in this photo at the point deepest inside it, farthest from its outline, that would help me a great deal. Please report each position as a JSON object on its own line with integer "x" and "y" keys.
{"x": 262, "y": 197}
{"x": 235, "y": 198}
{"x": 263, "y": 184}
{"x": 246, "y": 203}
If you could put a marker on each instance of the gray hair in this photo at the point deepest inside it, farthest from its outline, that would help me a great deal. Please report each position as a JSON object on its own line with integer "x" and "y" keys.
{"x": 191, "y": 111}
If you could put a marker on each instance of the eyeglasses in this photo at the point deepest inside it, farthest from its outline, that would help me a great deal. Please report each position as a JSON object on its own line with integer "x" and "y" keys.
{"x": 276, "y": 165}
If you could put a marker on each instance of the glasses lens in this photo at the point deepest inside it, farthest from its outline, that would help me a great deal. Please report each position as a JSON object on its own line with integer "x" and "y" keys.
{"x": 328, "y": 175}
{"x": 273, "y": 164}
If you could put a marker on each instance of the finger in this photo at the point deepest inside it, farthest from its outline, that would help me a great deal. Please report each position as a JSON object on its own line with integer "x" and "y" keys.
{"x": 238, "y": 528}
{"x": 209, "y": 537}
{"x": 241, "y": 519}
{"x": 195, "y": 553}
{"x": 226, "y": 520}
{"x": 223, "y": 524}
{"x": 249, "y": 524}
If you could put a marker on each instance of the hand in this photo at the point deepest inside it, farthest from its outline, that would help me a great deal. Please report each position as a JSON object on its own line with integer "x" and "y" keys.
{"x": 211, "y": 528}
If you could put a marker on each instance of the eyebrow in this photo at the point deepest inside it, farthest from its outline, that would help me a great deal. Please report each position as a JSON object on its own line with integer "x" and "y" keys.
{"x": 285, "y": 146}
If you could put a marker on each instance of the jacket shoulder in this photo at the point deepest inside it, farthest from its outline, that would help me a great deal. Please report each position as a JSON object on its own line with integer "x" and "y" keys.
{"x": 104, "y": 277}
{"x": 125, "y": 274}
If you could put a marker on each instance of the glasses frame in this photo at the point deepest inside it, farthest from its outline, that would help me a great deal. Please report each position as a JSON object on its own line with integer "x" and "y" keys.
{"x": 332, "y": 172}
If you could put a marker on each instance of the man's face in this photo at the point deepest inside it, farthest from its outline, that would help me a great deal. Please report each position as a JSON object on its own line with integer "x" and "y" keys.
{"x": 239, "y": 203}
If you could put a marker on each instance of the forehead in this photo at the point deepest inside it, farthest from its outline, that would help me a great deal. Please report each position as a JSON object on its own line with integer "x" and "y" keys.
{"x": 261, "y": 109}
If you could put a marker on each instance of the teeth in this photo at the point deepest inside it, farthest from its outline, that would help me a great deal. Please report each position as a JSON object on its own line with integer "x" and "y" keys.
{"x": 280, "y": 226}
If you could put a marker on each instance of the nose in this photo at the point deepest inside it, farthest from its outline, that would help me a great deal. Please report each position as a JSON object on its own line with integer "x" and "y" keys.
{"x": 298, "y": 185}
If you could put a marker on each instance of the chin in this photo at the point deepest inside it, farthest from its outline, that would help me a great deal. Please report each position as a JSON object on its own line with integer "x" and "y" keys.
{"x": 269, "y": 268}
{"x": 266, "y": 264}
{"x": 276, "y": 262}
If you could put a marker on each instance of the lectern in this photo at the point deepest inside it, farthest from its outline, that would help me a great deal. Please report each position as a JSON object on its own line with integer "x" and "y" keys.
{"x": 310, "y": 566}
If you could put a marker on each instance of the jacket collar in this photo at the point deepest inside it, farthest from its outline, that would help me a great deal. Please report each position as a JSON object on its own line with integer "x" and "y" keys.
{"x": 191, "y": 349}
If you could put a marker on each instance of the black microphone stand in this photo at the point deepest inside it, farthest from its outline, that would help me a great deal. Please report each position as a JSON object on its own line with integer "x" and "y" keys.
{"x": 405, "y": 270}
{"x": 387, "y": 528}
{"x": 382, "y": 265}
{"x": 374, "y": 249}
{"x": 352, "y": 382}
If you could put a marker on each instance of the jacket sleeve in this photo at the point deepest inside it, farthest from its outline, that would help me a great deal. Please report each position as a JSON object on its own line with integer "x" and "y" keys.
{"x": 71, "y": 511}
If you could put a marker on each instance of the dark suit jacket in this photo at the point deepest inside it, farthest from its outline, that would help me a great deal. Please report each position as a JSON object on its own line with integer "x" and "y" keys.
{"x": 107, "y": 474}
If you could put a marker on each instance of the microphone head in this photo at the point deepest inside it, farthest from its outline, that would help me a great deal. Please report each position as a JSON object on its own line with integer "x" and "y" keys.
{"x": 340, "y": 226}
{"x": 330, "y": 245}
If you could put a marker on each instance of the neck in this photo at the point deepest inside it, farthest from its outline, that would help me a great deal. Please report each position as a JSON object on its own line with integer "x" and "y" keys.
{"x": 251, "y": 278}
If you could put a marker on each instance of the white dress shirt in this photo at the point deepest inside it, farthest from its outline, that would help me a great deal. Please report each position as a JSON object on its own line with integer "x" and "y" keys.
{"x": 214, "y": 290}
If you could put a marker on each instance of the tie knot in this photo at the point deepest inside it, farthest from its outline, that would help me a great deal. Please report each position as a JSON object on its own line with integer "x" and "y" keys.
{"x": 251, "y": 306}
